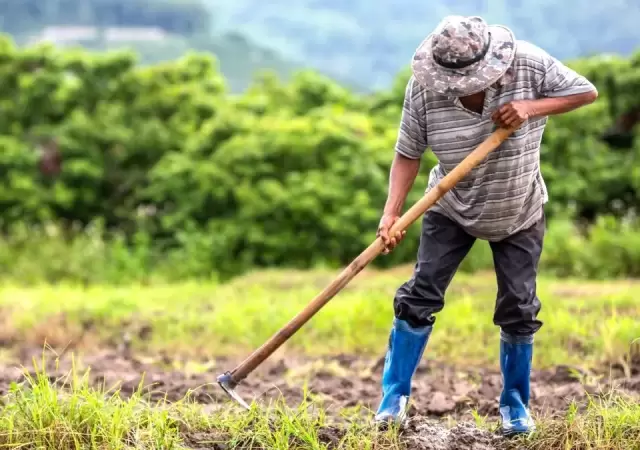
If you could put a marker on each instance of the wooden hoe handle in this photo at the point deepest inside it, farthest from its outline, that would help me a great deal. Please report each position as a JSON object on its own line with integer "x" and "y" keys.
{"x": 369, "y": 254}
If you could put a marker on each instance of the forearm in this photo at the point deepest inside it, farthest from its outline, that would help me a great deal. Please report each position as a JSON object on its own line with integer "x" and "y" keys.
{"x": 559, "y": 105}
{"x": 401, "y": 178}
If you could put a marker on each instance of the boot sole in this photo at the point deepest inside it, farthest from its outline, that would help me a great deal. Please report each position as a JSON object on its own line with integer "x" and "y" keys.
{"x": 383, "y": 424}
{"x": 516, "y": 433}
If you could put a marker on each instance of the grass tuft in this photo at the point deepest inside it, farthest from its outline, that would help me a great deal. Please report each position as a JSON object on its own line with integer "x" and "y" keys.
{"x": 608, "y": 422}
{"x": 37, "y": 413}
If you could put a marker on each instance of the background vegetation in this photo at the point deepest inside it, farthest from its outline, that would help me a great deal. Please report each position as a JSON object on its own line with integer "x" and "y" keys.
{"x": 177, "y": 164}
{"x": 166, "y": 172}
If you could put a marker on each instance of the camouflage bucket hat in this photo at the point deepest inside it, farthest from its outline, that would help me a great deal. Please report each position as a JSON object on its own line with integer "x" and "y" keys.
{"x": 463, "y": 56}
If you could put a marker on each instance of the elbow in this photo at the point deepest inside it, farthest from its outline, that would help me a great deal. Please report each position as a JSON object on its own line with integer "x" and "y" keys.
{"x": 591, "y": 96}
{"x": 583, "y": 99}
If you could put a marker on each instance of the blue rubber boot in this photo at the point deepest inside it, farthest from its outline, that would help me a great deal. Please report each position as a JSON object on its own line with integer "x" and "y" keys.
{"x": 406, "y": 346}
{"x": 515, "y": 363}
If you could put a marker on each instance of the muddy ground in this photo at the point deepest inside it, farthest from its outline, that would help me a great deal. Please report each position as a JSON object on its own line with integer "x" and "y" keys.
{"x": 440, "y": 391}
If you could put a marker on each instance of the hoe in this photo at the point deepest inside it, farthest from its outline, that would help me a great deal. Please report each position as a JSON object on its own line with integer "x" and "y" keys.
{"x": 228, "y": 381}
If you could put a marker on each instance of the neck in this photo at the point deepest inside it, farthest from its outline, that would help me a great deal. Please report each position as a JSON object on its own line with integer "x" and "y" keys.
{"x": 474, "y": 102}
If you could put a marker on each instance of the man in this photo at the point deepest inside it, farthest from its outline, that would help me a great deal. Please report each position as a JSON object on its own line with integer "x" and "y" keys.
{"x": 468, "y": 78}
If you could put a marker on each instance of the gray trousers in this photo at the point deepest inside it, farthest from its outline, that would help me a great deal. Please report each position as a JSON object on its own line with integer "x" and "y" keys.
{"x": 443, "y": 246}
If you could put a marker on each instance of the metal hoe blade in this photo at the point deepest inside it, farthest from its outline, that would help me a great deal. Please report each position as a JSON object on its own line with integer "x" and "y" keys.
{"x": 229, "y": 386}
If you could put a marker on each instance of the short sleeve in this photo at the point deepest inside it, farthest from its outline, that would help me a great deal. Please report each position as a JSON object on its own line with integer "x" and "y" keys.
{"x": 558, "y": 80}
{"x": 412, "y": 134}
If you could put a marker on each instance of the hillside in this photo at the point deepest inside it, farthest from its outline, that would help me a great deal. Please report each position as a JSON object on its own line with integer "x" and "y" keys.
{"x": 372, "y": 44}
{"x": 239, "y": 58}
{"x": 158, "y": 30}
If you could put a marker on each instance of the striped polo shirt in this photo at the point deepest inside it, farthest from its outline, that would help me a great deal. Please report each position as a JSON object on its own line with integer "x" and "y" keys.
{"x": 505, "y": 193}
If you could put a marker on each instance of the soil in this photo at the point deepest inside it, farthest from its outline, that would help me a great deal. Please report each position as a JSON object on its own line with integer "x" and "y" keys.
{"x": 342, "y": 381}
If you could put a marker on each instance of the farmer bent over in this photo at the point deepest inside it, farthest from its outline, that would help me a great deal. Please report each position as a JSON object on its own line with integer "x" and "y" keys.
{"x": 467, "y": 78}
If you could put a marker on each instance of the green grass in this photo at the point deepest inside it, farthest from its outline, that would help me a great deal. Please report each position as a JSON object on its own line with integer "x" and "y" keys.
{"x": 36, "y": 414}
{"x": 610, "y": 423}
{"x": 585, "y": 323}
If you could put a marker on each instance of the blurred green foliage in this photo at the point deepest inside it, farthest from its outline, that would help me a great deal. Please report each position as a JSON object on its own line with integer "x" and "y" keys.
{"x": 163, "y": 161}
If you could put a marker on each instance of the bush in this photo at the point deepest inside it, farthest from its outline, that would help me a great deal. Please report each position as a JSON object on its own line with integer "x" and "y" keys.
{"x": 48, "y": 254}
{"x": 175, "y": 169}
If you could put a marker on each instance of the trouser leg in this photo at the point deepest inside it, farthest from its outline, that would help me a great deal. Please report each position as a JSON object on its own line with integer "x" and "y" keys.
{"x": 517, "y": 306}
{"x": 443, "y": 245}
{"x": 516, "y": 261}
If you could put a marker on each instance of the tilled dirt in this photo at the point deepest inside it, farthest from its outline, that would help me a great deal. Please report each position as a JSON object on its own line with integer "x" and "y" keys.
{"x": 345, "y": 381}
{"x": 419, "y": 433}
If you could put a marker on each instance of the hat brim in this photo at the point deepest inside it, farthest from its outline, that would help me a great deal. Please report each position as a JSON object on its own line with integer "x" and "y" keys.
{"x": 470, "y": 80}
